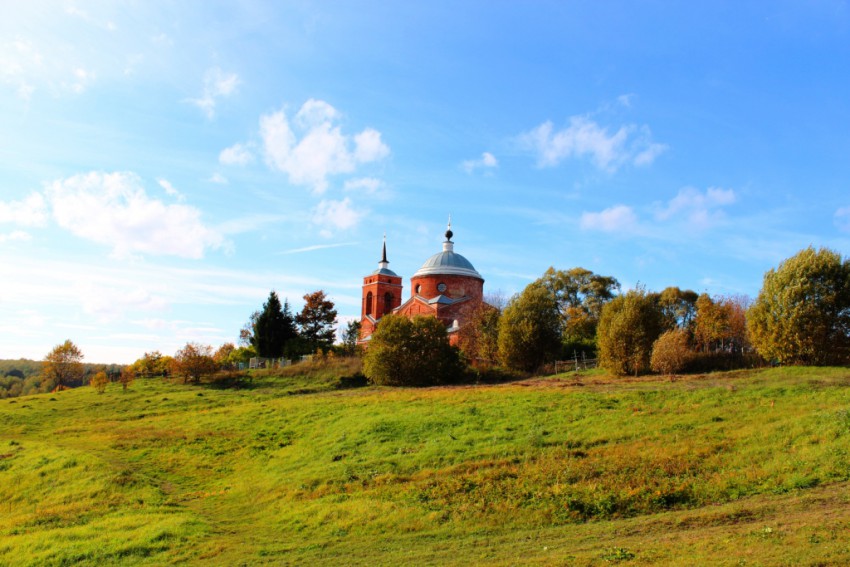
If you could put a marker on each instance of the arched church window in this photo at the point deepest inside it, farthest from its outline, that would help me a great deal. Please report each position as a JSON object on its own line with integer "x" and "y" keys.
{"x": 369, "y": 303}
{"x": 388, "y": 302}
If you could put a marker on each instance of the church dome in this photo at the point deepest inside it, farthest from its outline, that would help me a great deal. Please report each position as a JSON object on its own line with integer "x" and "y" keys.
{"x": 448, "y": 262}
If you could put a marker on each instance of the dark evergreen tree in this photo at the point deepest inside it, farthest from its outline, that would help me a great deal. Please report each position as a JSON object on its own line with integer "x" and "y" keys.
{"x": 273, "y": 329}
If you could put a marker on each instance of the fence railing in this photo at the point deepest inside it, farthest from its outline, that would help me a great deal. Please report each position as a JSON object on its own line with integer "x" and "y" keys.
{"x": 575, "y": 365}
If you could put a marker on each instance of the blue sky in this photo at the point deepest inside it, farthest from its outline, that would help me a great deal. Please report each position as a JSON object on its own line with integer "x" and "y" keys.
{"x": 164, "y": 165}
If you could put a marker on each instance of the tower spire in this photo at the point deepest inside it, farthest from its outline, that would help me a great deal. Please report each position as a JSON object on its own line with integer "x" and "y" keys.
{"x": 449, "y": 232}
{"x": 384, "y": 251}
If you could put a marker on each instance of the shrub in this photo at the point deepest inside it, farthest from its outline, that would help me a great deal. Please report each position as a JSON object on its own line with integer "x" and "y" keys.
{"x": 99, "y": 382}
{"x": 411, "y": 352}
{"x": 671, "y": 353}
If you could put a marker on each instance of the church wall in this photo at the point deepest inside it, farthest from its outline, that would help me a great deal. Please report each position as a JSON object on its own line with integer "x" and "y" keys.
{"x": 456, "y": 286}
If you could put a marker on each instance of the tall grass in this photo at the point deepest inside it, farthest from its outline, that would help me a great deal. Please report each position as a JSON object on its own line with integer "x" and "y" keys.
{"x": 293, "y": 467}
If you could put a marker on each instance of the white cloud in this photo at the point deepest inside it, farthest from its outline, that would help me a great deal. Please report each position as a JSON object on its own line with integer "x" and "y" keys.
{"x": 619, "y": 218}
{"x": 487, "y": 161}
{"x": 699, "y": 209}
{"x": 81, "y": 78}
{"x": 237, "y": 154}
{"x": 369, "y": 147}
{"x": 584, "y": 138}
{"x": 626, "y": 100}
{"x": 108, "y": 303}
{"x": 15, "y": 236}
{"x": 218, "y": 179}
{"x": 368, "y": 185}
{"x": 842, "y": 219}
{"x": 322, "y": 149}
{"x": 315, "y": 113}
{"x": 170, "y": 190}
{"x": 217, "y": 85}
{"x": 32, "y": 211}
{"x": 113, "y": 209}
{"x": 332, "y": 216}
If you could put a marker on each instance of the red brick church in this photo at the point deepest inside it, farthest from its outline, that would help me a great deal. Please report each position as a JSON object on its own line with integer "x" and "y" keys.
{"x": 446, "y": 286}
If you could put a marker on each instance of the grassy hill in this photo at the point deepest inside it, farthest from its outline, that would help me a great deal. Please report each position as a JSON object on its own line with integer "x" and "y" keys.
{"x": 748, "y": 467}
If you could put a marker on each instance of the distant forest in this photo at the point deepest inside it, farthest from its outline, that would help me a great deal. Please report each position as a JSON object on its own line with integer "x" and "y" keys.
{"x": 23, "y": 377}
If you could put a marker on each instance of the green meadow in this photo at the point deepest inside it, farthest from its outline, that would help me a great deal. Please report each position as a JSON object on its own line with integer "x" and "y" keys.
{"x": 740, "y": 468}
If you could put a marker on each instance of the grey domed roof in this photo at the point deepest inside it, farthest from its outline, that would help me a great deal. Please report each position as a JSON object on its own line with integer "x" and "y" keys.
{"x": 384, "y": 272}
{"x": 448, "y": 262}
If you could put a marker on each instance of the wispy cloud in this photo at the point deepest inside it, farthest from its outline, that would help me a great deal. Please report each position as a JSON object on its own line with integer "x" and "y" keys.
{"x": 317, "y": 247}
{"x": 217, "y": 85}
{"x": 842, "y": 219}
{"x": 619, "y": 218}
{"x": 584, "y": 138}
{"x": 486, "y": 161}
{"x": 698, "y": 209}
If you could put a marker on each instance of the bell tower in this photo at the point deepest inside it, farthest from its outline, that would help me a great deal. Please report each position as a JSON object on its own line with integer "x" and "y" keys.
{"x": 381, "y": 294}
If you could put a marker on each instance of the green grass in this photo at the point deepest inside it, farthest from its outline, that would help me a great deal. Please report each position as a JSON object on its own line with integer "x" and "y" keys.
{"x": 749, "y": 467}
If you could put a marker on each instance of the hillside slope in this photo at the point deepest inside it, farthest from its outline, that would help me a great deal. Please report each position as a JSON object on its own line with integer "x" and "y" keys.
{"x": 747, "y": 466}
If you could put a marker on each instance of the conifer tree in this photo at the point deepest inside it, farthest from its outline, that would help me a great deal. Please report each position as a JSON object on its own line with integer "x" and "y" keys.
{"x": 273, "y": 329}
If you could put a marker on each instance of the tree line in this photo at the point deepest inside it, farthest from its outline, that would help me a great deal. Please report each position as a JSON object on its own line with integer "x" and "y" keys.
{"x": 801, "y": 316}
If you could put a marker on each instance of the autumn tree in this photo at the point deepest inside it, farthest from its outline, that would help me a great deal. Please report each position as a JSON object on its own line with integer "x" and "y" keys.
{"x": 194, "y": 361}
{"x": 579, "y": 295}
{"x": 802, "y": 313}
{"x": 628, "y": 327}
{"x": 63, "y": 366}
{"x": 720, "y": 324}
{"x": 478, "y": 338}
{"x": 222, "y": 356}
{"x": 529, "y": 329}
{"x": 246, "y": 333}
{"x": 411, "y": 352}
{"x": 317, "y": 320}
{"x": 99, "y": 381}
{"x": 126, "y": 377}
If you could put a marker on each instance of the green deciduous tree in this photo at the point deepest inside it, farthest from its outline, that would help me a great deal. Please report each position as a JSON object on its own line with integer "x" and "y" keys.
{"x": 529, "y": 329}
{"x": 317, "y": 320}
{"x": 411, "y": 352}
{"x": 802, "y": 313}
{"x": 579, "y": 296}
{"x": 152, "y": 364}
{"x": 63, "y": 366}
{"x": 628, "y": 327}
{"x": 678, "y": 307}
{"x": 350, "y": 336}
